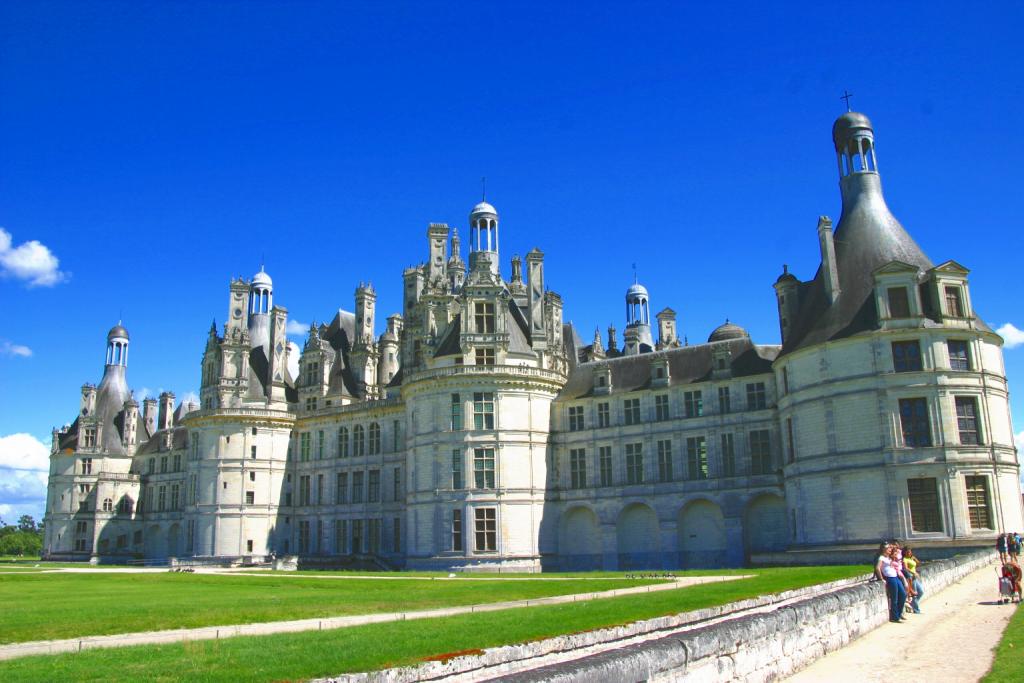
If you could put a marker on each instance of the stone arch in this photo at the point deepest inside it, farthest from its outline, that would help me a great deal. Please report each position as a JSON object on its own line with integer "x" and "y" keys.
{"x": 174, "y": 540}
{"x": 700, "y": 526}
{"x": 579, "y": 539}
{"x": 636, "y": 532}
{"x": 765, "y": 526}
{"x": 155, "y": 545}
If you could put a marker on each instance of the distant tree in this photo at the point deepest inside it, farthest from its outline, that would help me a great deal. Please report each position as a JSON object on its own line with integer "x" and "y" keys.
{"x": 26, "y": 523}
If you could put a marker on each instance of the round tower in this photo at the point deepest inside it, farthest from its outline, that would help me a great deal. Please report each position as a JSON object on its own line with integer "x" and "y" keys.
{"x": 483, "y": 236}
{"x": 261, "y": 301}
{"x": 638, "y": 320}
{"x": 117, "y": 345}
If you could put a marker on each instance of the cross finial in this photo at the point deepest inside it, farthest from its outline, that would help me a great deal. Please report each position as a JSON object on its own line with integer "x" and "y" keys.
{"x": 634, "y": 273}
{"x": 483, "y": 188}
{"x": 846, "y": 96}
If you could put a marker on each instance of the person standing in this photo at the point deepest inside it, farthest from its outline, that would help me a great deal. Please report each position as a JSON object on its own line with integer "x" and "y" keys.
{"x": 1013, "y": 546}
{"x": 885, "y": 567}
{"x": 910, "y": 565}
{"x": 1001, "y": 548}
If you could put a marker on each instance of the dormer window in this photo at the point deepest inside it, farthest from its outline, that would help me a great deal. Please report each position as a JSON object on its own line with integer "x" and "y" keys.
{"x": 899, "y": 302}
{"x": 484, "y": 317}
{"x": 601, "y": 381}
{"x": 485, "y": 356}
{"x": 954, "y": 302}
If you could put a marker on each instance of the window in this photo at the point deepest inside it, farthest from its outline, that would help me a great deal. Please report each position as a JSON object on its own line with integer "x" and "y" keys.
{"x": 304, "y": 440}
{"x": 924, "y": 504}
{"x": 756, "y": 399}
{"x": 483, "y": 316}
{"x": 252, "y": 476}
{"x": 483, "y": 410}
{"x": 89, "y": 437}
{"x": 357, "y": 487}
{"x": 485, "y": 356}
{"x": 790, "y": 446}
{"x": 604, "y": 457}
{"x": 193, "y": 487}
{"x": 486, "y": 523}
{"x": 341, "y": 488}
{"x": 151, "y": 466}
{"x": 373, "y": 487}
{"x": 483, "y": 468}
{"x": 760, "y": 452}
{"x": 124, "y": 506}
{"x": 906, "y": 356}
{"x": 785, "y": 380}
{"x": 374, "y": 438}
{"x": 954, "y": 304}
{"x": 457, "y": 530}
{"x": 175, "y": 496}
{"x": 899, "y": 303}
{"x": 697, "y": 457}
{"x": 86, "y": 465}
{"x": 319, "y": 489}
{"x": 311, "y": 403}
{"x": 304, "y": 490}
{"x": 311, "y": 373}
{"x": 578, "y": 468}
{"x": 394, "y": 436}
{"x": 661, "y": 407}
{"x": 343, "y": 442}
{"x": 357, "y": 535}
{"x": 161, "y": 499}
{"x": 250, "y": 497}
{"x": 457, "y": 481}
{"x": 631, "y": 411}
{"x": 724, "y": 404}
{"x": 958, "y": 354}
{"x": 967, "y": 420}
{"x": 914, "y": 422}
{"x": 396, "y": 484}
{"x": 575, "y": 418}
{"x": 665, "y": 460}
{"x": 728, "y": 456}
{"x": 358, "y": 441}
{"x": 108, "y": 505}
{"x": 634, "y": 463}
{"x": 693, "y": 404}
{"x": 320, "y": 445}
{"x": 304, "y": 536}
{"x": 248, "y": 546}
{"x": 163, "y": 465}
{"x": 194, "y": 442}
{"x": 456, "y": 421}
{"x": 122, "y": 541}
{"x": 977, "y": 502}
{"x": 603, "y": 417}
{"x": 252, "y": 452}
{"x": 341, "y": 536}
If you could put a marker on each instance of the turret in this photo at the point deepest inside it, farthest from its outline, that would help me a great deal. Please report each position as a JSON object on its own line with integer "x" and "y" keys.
{"x": 787, "y": 295}
{"x": 388, "y": 364}
{"x": 364, "y": 355}
{"x": 483, "y": 237}
{"x": 613, "y": 344}
{"x": 261, "y": 303}
{"x": 129, "y": 431}
{"x": 456, "y": 266}
{"x": 667, "y": 333}
{"x": 638, "y": 321}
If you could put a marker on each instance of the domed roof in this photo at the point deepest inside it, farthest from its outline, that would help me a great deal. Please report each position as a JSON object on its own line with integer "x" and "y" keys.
{"x": 636, "y": 289}
{"x": 481, "y": 208}
{"x": 847, "y": 124}
{"x": 728, "y": 331}
{"x": 262, "y": 279}
{"x": 116, "y": 331}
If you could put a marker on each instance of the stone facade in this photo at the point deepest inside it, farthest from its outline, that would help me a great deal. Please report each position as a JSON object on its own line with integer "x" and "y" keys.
{"x": 478, "y": 431}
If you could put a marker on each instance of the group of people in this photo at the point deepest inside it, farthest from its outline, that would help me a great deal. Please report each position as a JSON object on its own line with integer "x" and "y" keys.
{"x": 899, "y": 568}
{"x": 1008, "y": 547}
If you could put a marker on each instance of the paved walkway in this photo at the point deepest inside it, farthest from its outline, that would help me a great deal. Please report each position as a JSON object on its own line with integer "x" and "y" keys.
{"x": 951, "y": 640}
{"x": 266, "y": 628}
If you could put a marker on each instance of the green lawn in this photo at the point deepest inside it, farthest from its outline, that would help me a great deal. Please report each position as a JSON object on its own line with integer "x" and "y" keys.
{"x": 306, "y": 655}
{"x": 1009, "y": 664}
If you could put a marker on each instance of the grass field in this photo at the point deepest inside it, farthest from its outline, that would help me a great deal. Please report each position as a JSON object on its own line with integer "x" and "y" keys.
{"x": 1008, "y": 666}
{"x": 307, "y": 655}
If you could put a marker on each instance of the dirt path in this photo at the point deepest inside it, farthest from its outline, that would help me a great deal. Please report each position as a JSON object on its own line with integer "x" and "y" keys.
{"x": 951, "y": 640}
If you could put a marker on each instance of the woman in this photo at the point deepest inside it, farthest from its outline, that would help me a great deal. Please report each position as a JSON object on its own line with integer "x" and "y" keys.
{"x": 910, "y": 563}
{"x": 1001, "y": 547}
{"x": 885, "y": 567}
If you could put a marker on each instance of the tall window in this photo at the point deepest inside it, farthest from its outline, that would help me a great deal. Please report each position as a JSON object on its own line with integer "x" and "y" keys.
{"x": 899, "y": 303}
{"x": 575, "y": 418}
{"x": 457, "y": 481}
{"x": 603, "y": 416}
{"x": 661, "y": 407}
{"x": 304, "y": 490}
{"x": 760, "y": 452}
{"x": 483, "y": 468}
{"x": 163, "y": 464}
{"x": 486, "y": 528}
{"x": 374, "y": 438}
{"x": 456, "y": 412}
{"x": 693, "y": 404}
{"x": 304, "y": 440}
{"x": 343, "y": 442}
{"x": 108, "y": 505}
{"x": 604, "y": 460}
{"x": 756, "y": 399}
{"x": 697, "y": 457}
{"x": 665, "y": 460}
{"x": 311, "y": 403}
{"x": 357, "y": 536}
{"x": 304, "y": 536}
{"x": 311, "y": 373}
{"x": 906, "y": 356}
{"x": 357, "y": 487}
{"x": 967, "y": 420}
{"x": 457, "y": 530}
{"x": 89, "y": 437}
{"x": 86, "y": 465}
{"x": 578, "y": 468}
{"x": 341, "y": 490}
{"x": 483, "y": 410}
{"x": 396, "y": 484}
{"x": 358, "y": 441}
{"x": 175, "y": 496}
{"x": 978, "y": 510}
{"x": 958, "y": 354}
{"x": 790, "y": 445}
{"x": 341, "y": 536}
{"x": 924, "y": 504}
{"x": 394, "y": 436}
{"x": 914, "y": 422}
{"x": 483, "y": 315}
{"x": 954, "y": 304}
{"x": 161, "y": 499}
{"x": 724, "y": 403}
{"x": 485, "y": 356}
{"x": 631, "y": 411}
{"x": 728, "y": 456}
{"x": 373, "y": 487}
{"x": 634, "y": 463}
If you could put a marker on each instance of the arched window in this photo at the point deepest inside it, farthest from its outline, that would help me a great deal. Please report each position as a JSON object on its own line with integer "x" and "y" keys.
{"x": 124, "y": 506}
{"x": 343, "y": 442}
{"x": 358, "y": 443}
{"x": 374, "y": 438}
{"x": 108, "y": 505}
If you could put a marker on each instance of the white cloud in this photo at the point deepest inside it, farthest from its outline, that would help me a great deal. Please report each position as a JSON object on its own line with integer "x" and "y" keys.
{"x": 9, "y": 349}
{"x": 30, "y": 261}
{"x": 1011, "y": 335}
{"x": 293, "y": 359}
{"x": 190, "y": 397}
{"x": 142, "y": 394}
{"x": 24, "y": 465}
{"x": 296, "y": 328}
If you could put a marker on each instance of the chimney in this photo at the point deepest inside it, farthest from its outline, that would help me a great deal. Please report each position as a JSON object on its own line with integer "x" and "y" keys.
{"x": 165, "y": 416}
{"x": 829, "y": 272}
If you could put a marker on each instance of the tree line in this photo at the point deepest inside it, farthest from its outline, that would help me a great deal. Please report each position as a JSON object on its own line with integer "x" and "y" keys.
{"x": 21, "y": 539}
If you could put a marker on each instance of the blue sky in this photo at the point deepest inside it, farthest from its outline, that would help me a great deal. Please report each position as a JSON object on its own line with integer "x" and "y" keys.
{"x": 154, "y": 150}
